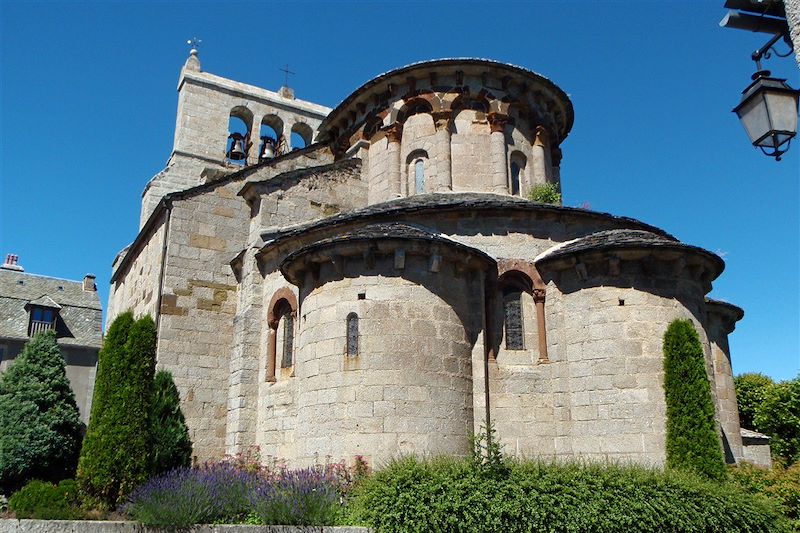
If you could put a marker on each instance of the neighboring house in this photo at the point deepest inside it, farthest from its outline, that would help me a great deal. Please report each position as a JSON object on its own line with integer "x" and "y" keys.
{"x": 30, "y": 303}
{"x": 389, "y": 289}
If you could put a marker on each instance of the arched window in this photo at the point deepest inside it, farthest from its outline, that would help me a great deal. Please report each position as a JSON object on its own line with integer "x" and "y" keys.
{"x": 271, "y": 136}
{"x": 238, "y": 139}
{"x": 517, "y": 173}
{"x": 512, "y": 319}
{"x": 301, "y": 135}
{"x": 352, "y": 335}
{"x": 515, "y": 178}
{"x": 419, "y": 176}
{"x": 285, "y": 333}
{"x": 281, "y": 321}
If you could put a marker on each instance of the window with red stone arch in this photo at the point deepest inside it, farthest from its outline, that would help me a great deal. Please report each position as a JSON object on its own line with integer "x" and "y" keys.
{"x": 281, "y": 319}
{"x": 516, "y": 277}
{"x": 512, "y": 284}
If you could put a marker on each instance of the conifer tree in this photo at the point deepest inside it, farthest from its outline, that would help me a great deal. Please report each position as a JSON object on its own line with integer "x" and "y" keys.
{"x": 40, "y": 427}
{"x": 692, "y": 441}
{"x": 116, "y": 456}
{"x": 172, "y": 447}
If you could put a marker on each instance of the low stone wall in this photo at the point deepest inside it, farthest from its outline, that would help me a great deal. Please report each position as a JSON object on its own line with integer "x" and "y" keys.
{"x": 84, "y": 526}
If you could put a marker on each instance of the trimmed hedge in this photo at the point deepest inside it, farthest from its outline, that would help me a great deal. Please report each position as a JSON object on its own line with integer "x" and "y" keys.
{"x": 117, "y": 452}
{"x": 451, "y": 495}
{"x": 172, "y": 447}
{"x": 40, "y": 426}
{"x": 692, "y": 441}
{"x": 44, "y": 501}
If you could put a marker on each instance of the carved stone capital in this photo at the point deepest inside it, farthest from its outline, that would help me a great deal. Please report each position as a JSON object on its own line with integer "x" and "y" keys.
{"x": 394, "y": 132}
{"x": 542, "y": 138}
{"x": 441, "y": 119}
{"x": 539, "y": 295}
{"x": 497, "y": 122}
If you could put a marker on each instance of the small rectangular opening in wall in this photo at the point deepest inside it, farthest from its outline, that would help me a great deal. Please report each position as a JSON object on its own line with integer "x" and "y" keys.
{"x": 362, "y": 295}
{"x": 621, "y": 302}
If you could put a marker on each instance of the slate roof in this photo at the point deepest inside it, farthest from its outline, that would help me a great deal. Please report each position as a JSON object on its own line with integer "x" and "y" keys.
{"x": 620, "y": 239}
{"x": 80, "y": 315}
{"x": 387, "y": 230}
{"x": 440, "y": 202}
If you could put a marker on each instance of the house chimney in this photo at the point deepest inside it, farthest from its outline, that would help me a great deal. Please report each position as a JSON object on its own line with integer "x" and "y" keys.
{"x": 11, "y": 263}
{"x": 88, "y": 283}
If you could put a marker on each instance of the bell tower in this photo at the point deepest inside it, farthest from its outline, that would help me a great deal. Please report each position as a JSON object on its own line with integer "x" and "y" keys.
{"x": 205, "y": 148}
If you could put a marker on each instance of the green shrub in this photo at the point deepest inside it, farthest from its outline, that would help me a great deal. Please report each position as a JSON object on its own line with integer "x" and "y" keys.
{"x": 545, "y": 193}
{"x": 751, "y": 390}
{"x": 45, "y": 501}
{"x": 779, "y": 417}
{"x": 117, "y": 452}
{"x": 172, "y": 447}
{"x": 692, "y": 441}
{"x": 453, "y": 495}
{"x": 780, "y": 484}
{"x": 40, "y": 427}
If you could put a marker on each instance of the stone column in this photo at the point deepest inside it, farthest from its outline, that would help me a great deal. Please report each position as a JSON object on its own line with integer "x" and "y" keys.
{"x": 444, "y": 167}
{"x": 497, "y": 122}
{"x": 287, "y": 135}
{"x": 394, "y": 134}
{"x": 255, "y": 142}
{"x": 538, "y": 299}
{"x": 271, "y": 353}
{"x": 539, "y": 157}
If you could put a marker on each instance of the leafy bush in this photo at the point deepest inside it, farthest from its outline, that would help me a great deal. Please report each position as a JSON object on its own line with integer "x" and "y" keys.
{"x": 40, "y": 427}
{"x": 544, "y": 193}
{"x": 779, "y": 417}
{"x": 116, "y": 454}
{"x": 780, "y": 484}
{"x": 692, "y": 441}
{"x": 45, "y": 501}
{"x": 452, "y": 495}
{"x": 172, "y": 447}
{"x": 751, "y": 390}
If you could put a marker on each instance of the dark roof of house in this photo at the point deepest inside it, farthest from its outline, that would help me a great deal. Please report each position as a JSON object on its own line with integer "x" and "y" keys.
{"x": 80, "y": 312}
{"x": 440, "y": 202}
{"x": 624, "y": 238}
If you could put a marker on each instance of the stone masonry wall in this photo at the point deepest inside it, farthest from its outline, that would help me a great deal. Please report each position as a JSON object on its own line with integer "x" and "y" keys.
{"x": 137, "y": 288}
{"x": 410, "y": 388}
{"x": 727, "y": 407}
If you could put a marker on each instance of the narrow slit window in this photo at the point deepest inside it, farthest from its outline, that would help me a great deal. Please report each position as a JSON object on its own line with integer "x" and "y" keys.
{"x": 515, "y": 170}
{"x": 286, "y": 328}
{"x": 512, "y": 304}
{"x": 419, "y": 176}
{"x": 352, "y": 335}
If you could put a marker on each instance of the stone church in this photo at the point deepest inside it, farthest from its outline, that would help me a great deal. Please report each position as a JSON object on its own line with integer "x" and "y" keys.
{"x": 371, "y": 279}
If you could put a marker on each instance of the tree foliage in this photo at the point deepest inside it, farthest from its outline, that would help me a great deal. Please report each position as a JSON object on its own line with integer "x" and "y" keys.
{"x": 544, "y": 193}
{"x": 172, "y": 447}
{"x": 692, "y": 441}
{"x": 779, "y": 417}
{"x": 117, "y": 452}
{"x": 751, "y": 390}
{"x": 40, "y": 427}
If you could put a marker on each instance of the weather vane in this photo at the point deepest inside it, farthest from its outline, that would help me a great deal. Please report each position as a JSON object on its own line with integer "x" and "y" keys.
{"x": 286, "y": 73}
{"x": 194, "y": 43}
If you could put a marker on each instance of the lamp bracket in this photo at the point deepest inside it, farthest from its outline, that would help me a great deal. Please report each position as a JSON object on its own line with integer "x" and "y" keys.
{"x": 768, "y": 49}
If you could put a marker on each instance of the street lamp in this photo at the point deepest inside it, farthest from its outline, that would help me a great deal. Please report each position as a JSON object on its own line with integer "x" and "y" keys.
{"x": 768, "y": 112}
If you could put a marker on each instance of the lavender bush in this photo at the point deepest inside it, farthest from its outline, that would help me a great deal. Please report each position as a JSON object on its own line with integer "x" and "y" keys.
{"x": 240, "y": 490}
{"x": 184, "y": 497}
{"x": 307, "y": 497}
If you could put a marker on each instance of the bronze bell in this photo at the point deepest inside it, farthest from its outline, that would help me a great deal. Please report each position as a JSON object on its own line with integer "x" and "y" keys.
{"x": 237, "y": 149}
{"x": 268, "y": 151}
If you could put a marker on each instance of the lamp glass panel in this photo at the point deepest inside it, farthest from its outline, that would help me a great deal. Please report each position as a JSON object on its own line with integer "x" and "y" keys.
{"x": 754, "y": 117}
{"x": 782, "y": 108}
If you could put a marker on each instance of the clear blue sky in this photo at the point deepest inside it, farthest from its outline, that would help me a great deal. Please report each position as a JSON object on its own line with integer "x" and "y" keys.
{"x": 89, "y": 98}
